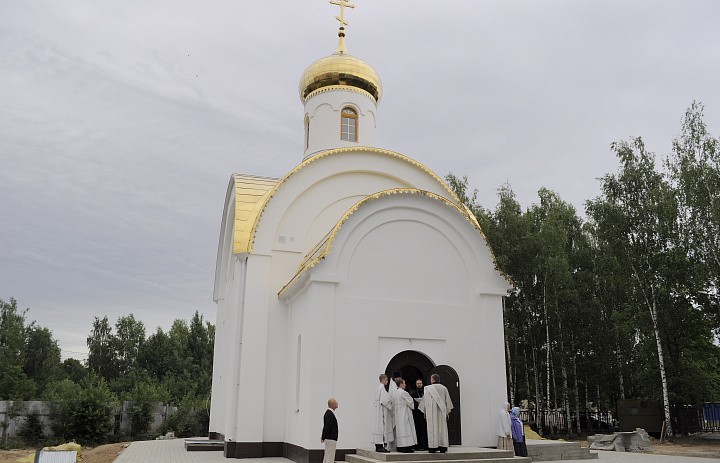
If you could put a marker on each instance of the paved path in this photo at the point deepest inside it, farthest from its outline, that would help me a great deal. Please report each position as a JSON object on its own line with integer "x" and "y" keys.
{"x": 634, "y": 457}
{"x": 173, "y": 451}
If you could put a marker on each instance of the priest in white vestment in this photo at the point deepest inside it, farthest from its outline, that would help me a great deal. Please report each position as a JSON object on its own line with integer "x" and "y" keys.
{"x": 405, "y": 436}
{"x": 392, "y": 389}
{"x": 436, "y": 406}
{"x": 382, "y": 428}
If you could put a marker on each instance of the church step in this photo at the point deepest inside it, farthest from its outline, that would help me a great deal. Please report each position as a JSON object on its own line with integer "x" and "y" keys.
{"x": 485, "y": 459}
{"x": 464, "y": 455}
{"x": 554, "y": 451}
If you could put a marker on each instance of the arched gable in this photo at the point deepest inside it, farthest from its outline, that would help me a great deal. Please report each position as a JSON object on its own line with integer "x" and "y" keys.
{"x": 429, "y": 227}
{"x": 390, "y": 169}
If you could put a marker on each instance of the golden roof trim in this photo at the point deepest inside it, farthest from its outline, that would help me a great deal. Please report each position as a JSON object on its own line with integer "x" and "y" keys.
{"x": 244, "y": 235}
{"x": 256, "y": 217}
{"x": 342, "y": 88}
{"x": 322, "y": 249}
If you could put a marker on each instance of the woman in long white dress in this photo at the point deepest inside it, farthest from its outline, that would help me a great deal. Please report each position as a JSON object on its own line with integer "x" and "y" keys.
{"x": 504, "y": 430}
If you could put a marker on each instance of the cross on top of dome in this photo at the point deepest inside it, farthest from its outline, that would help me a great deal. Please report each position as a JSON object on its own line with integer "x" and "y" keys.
{"x": 342, "y": 4}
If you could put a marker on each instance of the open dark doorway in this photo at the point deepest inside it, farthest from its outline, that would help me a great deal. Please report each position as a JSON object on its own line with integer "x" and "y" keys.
{"x": 415, "y": 365}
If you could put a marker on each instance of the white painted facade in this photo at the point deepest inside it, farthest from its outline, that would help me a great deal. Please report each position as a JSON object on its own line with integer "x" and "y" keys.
{"x": 404, "y": 267}
{"x": 322, "y": 116}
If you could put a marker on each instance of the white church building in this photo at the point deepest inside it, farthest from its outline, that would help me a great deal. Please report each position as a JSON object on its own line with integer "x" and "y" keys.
{"x": 360, "y": 261}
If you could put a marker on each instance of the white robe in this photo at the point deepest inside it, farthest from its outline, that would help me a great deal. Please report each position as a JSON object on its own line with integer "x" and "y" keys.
{"x": 405, "y": 435}
{"x": 392, "y": 388}
{"x": 382, "y": 428}
{"x": 504, "y": 429}
{"x": 436, "y": 405}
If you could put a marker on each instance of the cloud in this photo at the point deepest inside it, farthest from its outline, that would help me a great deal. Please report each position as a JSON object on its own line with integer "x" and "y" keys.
{"x": 122, "y": 122}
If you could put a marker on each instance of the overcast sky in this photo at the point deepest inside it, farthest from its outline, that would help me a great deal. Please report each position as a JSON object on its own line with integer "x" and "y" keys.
{"x": 121, "y": 121}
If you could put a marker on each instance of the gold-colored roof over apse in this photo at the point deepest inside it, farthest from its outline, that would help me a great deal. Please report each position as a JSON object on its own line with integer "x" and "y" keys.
{"x": 340, "y": 69}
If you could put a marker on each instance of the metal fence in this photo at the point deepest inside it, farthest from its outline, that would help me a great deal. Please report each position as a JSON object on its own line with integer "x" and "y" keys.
{"x": 555, "y": 422}
{"x": 690, "y": 419}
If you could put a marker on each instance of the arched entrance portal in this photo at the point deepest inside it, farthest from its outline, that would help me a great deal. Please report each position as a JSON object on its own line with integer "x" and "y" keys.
{"x": 415, "y": 365}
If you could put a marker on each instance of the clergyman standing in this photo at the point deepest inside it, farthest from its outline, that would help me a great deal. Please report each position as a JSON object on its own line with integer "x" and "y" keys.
{"x": 382, "y": 428}
{"x": 405, "y": 437}
{"x": 436, "y": 406}
{"x": 418, "y": 417}
{"x": 330, "y": 432}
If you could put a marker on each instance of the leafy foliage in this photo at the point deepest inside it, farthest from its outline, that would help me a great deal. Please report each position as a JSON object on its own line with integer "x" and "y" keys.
{"x": 625, "y": 304}
{"x": 32, "y": 429}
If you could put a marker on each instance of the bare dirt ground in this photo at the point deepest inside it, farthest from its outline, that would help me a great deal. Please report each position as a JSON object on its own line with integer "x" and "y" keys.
{"x": 688, "y": 446}
{"x": 101, "y": 454}
{"x": 685, "y": 446}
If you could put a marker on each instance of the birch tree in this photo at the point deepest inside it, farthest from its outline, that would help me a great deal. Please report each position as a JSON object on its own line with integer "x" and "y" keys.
{"x": 637, "y": 216}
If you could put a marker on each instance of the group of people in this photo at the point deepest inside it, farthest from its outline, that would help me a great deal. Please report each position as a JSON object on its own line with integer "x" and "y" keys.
{"x": 510, "y": 430}
{"x": 407, "y": 423}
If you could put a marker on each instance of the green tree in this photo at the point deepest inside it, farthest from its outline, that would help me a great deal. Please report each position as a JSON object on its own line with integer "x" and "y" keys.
{"x": 156, "y": 355}
{"x": 32, "y": 429}
{"x": 42, "y": 360}
{"x": 637, "y": 216}
{"x": 74, "y": 370}
{"x": 92, "y": 411}
{"x": 12, "y": 335}
{"x": 62, "y": 396}
{"x": 102, "y": 358}
{"x": 129, "y": 338}
{"x": 143, "y": 397}
{"x": 694, "y": 167}
{"x": 15, "y": 385}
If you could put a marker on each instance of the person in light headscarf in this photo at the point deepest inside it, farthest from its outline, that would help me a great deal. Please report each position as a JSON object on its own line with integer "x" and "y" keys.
{"x": 504, "y": 430}
{"x": 518, "y": 434}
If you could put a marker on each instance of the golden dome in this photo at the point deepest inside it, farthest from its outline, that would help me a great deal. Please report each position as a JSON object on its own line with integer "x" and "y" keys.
{"x": 340, "y": 69}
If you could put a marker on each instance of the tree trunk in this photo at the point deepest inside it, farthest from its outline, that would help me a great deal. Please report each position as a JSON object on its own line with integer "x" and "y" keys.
{"x": 618, "y": 356}
{"x": 577, "y": 390}
{"x": 652, "y": 306}
{"x": 527, "y": 373}
{"x": 549, "y": 356}
{"x": 597, "y": 384}
{"x": 511, "y": 386}
{"x": 538, "y": 398}
{"x": 508, "y": 359}
{"x": 663, "y": 377}
{"x": 563, "y": 372}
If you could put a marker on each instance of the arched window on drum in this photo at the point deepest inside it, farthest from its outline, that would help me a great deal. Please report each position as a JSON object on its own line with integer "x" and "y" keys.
{"x": 349, "y": 124}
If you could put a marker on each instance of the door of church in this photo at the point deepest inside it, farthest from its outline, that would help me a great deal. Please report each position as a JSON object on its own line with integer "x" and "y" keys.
{"x": 415, "y": 365}
{"x": 449, "y": 378}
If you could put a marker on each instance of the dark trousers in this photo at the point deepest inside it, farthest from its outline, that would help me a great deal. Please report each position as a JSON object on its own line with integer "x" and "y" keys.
{"x": 420, "y": 430}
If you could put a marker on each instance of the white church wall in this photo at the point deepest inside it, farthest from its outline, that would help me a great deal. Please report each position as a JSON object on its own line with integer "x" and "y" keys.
{"x": 305, "y": 195}
{"x": 232, "y": 323}
{"x": 252, "y": 378}
{"x": 224, "y": 331}
{"x": 324, "y": 113}
{"x": 298, "y": 368}
{"x": 410, "y": 270}
{"x": 372, "y": 324}
{"x": 277, "y": 379}
{"x": 388, "y": 347}
{"x": 399, "y": 287}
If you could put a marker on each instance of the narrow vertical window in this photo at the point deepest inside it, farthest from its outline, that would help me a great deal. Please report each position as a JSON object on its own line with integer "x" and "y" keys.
{"x": 297, "y": 374}
{"x": 349, "y": 124}
{"x": 307, "y": 132}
